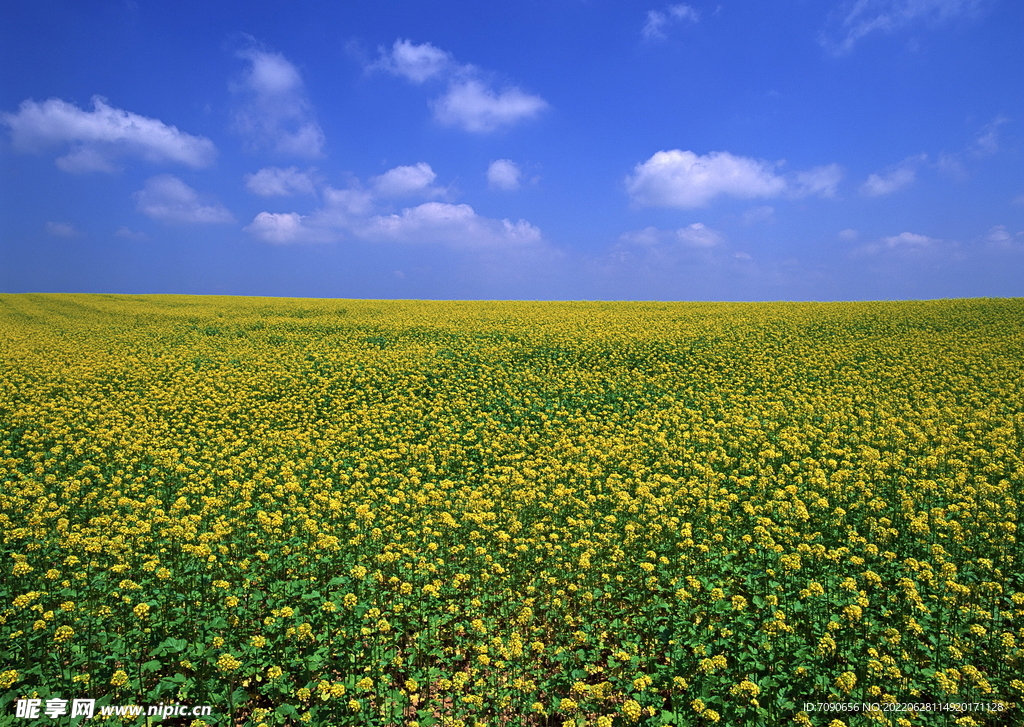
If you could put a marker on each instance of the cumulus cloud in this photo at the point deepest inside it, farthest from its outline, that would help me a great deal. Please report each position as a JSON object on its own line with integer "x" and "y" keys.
{"x": 280, "y": 228}
{"x": 409, "y": 181}
{"x": 658, "y": 21}
{"x": 98, "y": 138}
{"x": 855, "y": 19}
{"x": 364, "y": 214}
{"x": 168, "y": 199}
{"x": 504, "y": 174}
{"x": 275, "y": 181}
{"x": 473, "y": 106}
{"x": 275, "y": 112}
{"x": 892, "y": 179}
{"x": 470, "y": 102}
{"x": 61, "y": 229}
{"x": 683, "y": 179}
{"x": 417, "y": 63}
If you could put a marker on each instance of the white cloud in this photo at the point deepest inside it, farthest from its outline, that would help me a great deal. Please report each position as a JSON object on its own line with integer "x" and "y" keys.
{"x": 101, "y": 136}
{"x": 407, "y": 182}
{"x": 762, "y": 213}
{"x": 279, "y": 228}
{"x": 659, "y": 20}
{"x": 892, "y": 179}
{"x": 998, "y": 234}
{"x": 682, "y": 179}
{"x": 903, "y": 243}
{"x": 451, "y": 224}
{"x": 61, "y": 229}
{"x": 364, "y": 214}
{"x": 818, "y": 182}
{"x": 168, "y": 199}
{"x": 848, "y": 234}
{"x": 504, "y": 174}
{"x": 855, "y": 19}
{"x": 474, "y": 107}
{"x": 908, "y": 240}
{"x": 128, "y": 234}
{"x": 276, "y": 113}
{"x": 417, "y": 63}
{"x": 275, "y": 181}
{"x": 470, "y": 102}
{"x": 988, "y": 142}
{"x": 696, "y": 235}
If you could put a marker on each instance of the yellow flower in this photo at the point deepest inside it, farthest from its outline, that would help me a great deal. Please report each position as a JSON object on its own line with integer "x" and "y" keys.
{"x": 8, "y": 678}
{"x": 227, "y": 662}
{"x": 63, "y": 633}
{"x": 846, "y": 681}
{"x": 141, "y": 610}
{"x": 119, "y": 679}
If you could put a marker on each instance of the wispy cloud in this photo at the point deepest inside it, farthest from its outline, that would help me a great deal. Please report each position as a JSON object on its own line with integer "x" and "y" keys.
{"x": 696, "y": 235}
{"x": 854, "y": 19}
{"x": 61, "y": 229}
{"x": 470, "y": 102}
{"x": 99, "y": 138}
{"x": 168, "y": 199}
{"x": 128, "y": 234}
{"x": 760, "y": 214}
{"x": 905, "y": 242}
{"x": 893, "y": 178}
{"x": 658, "y": 21}
{"x": 275, "y": 112}
{"x": 275, "y": 181}
{"x": 987, "y": 142}
{"x": 820, "y": 181}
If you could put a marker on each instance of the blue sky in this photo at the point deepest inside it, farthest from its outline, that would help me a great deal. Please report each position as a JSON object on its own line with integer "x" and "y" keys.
{"x": 565, "y": 149}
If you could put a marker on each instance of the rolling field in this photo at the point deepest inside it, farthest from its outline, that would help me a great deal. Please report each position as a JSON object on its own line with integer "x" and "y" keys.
{"x": 339, "y": 512}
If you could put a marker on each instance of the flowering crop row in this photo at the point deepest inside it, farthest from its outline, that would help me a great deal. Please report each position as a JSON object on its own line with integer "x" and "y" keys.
{"x": 402, "y": 513}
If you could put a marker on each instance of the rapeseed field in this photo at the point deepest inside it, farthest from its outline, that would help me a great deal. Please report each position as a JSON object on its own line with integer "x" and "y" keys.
{"x": 339, "y": 512}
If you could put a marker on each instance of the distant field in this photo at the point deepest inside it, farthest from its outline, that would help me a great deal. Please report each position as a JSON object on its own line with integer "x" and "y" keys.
{"x": 341, "y": 512}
